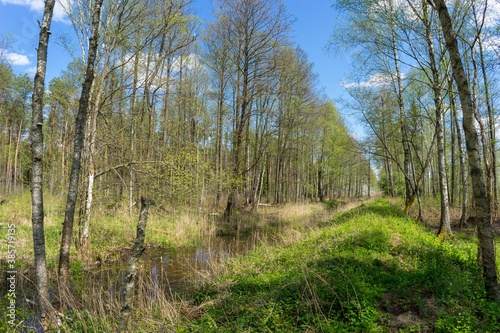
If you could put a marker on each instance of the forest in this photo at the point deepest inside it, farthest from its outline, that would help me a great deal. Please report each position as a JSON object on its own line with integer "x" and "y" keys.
{"x": 182, "y": 175}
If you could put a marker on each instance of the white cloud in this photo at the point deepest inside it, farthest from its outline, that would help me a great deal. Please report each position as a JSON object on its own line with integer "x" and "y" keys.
{"x": 191, "y": 62}
{"x": 17, "y": 59}
{"x": 491, "y": 14}
{"x": 31, "y": 70}
{"x": 374, "y": 81}
{"x": 38, "y": 6}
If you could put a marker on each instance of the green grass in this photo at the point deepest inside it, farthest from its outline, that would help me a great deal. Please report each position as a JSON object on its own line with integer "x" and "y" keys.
{"x": 371, "y": 270}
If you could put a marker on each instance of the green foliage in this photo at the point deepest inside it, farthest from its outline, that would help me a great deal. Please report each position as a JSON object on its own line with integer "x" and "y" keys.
{"x": 78, "y": 276}
{"x": 181, "y": 177}
{"x": 371, "y": 270}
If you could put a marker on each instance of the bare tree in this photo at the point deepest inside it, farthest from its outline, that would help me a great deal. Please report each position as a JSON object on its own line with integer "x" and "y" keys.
{"x": 254, "y": 28}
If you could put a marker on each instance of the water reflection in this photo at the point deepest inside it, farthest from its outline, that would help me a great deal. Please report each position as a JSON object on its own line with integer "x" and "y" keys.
{"x": 155, "y": 278}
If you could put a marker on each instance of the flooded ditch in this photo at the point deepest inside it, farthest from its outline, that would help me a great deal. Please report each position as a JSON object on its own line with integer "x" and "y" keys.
{"x": 174, "y": 271}
{"x": 169, "y": 274}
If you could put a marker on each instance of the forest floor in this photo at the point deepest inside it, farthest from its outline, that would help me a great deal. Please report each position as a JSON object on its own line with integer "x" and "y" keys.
{"x": 431, "y": 214}
{"x": 359, "y": 266}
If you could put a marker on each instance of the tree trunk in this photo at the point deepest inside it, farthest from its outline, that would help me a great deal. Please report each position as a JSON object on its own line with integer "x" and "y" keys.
{"x": 167, "y": 106}
{"x": 8, "y": 169}
{"x": 16, "y": 154}
{"x": 241, "y": 105}
{"x": 402, "y": 115}
{"x": 491, "y": 119}
{"x": 417, "y": 190}
{"x": 63, "y": 156}
{"x": 483, "y": 136}
{"x": 77, "y": 153}
{"x": 485, "y": 234}
{"x": 137, "y": 250}
{"x": 453, "y": 176}
{"x": 369, "y": 176}
{"x": 132, "y": 129}
{"x": 320, "y": 181}
{"x": 444, "y": 226}
{"x": 42, "y": 284}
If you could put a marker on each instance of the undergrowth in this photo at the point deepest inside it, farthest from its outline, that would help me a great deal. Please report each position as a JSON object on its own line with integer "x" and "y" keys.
{"x": 96, "y": 273}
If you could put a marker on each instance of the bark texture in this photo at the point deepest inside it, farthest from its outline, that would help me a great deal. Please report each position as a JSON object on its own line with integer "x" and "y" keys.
{"x": 74, "y": 178}
{"x": 37, "y": 164}
{"x": 137, "y": 250}
{"x": 485, "y": 233}
{"x": 491, "y": 120}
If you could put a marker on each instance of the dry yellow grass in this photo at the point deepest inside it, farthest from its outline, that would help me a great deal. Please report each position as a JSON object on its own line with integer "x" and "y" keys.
{"x": 115, "y": 228}
{"x": 293, "y": 210}
{"x": 300, "y": 210}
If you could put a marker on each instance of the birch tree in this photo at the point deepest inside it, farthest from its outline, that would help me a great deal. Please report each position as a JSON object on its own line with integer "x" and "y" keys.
{"x": 37, "y": 216}
{"x": 63, "y": 272}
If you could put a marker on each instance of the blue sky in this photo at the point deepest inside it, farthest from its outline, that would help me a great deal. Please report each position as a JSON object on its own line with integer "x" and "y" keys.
{"x": 311, "y": 30}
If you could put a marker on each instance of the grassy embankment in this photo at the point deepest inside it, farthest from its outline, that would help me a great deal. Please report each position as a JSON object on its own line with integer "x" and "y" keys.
{"x": 371, "y": 270}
